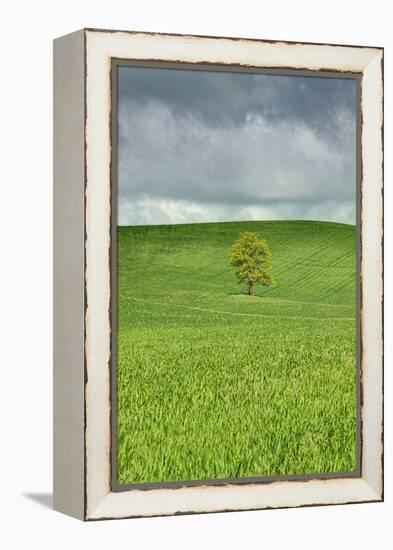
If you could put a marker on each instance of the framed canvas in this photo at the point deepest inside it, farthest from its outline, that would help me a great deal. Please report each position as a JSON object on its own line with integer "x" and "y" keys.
{"x": 218, "y": 274}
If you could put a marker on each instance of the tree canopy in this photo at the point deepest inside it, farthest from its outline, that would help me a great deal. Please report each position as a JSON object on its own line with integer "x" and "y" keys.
{"x": 249, "y": 254}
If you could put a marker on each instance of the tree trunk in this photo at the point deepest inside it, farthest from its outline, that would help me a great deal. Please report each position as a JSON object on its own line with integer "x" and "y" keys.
{"x": 250, "y": 285}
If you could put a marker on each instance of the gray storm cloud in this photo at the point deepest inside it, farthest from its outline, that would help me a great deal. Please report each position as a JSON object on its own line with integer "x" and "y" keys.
{"x": 207, "y": 146}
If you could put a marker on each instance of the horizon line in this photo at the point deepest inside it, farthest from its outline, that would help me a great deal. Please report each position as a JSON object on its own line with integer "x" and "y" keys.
{"x": 236, "y": 221}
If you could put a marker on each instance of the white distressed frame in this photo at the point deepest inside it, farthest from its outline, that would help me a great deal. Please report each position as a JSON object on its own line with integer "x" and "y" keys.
{"x": 99, "y": 49}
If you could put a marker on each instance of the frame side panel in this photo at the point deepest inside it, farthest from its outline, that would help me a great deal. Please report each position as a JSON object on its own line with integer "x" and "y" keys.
{"x": 68, "y": 242}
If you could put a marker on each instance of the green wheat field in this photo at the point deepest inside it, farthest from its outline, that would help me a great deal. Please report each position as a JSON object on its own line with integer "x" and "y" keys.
{"x": 215, "y": 384}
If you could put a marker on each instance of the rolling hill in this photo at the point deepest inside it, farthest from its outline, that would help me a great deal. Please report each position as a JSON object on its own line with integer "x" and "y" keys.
{"x": 214, "y": 384}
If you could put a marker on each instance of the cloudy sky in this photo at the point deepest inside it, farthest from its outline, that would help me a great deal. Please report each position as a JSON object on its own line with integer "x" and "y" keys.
{"x": 199, "y": 146}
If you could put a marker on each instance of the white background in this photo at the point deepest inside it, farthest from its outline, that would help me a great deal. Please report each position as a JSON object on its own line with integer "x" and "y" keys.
{"x": 26, "y": 273}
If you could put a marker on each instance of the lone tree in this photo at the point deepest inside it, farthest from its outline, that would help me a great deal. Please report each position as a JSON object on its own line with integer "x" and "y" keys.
{"x": 249, "y": 254}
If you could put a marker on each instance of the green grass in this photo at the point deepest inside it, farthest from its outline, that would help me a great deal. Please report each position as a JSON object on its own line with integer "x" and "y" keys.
{"x": 215, "y": 384}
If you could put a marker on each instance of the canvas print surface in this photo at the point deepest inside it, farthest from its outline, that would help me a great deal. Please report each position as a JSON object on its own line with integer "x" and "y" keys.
{"x": 236, "y": 275}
